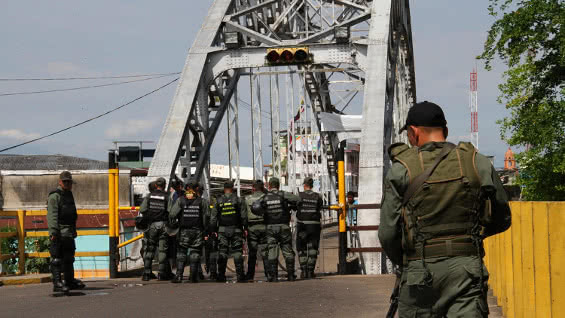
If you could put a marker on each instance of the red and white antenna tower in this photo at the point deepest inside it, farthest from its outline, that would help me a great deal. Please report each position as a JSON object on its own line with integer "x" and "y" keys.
{"x": 474, "y": 106}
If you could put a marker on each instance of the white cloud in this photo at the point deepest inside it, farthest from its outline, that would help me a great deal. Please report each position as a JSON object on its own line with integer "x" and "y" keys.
{"x": 17, "y": 134}
{"x": 130, "y": 127}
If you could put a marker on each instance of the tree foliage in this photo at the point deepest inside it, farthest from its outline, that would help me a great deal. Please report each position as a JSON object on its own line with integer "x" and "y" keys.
{"x": 528, "y": 37}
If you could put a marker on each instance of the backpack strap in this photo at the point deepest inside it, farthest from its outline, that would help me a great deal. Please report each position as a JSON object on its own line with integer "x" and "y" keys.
{"x": 422, "y": 178}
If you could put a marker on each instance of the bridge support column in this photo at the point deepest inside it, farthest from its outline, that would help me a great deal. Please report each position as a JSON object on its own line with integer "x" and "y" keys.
{"x": 342, "y": 226}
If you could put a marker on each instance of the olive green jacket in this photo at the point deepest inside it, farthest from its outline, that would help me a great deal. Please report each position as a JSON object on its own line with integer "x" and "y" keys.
{"x": 56, "y": 229}
{"x": 396, "y": 183}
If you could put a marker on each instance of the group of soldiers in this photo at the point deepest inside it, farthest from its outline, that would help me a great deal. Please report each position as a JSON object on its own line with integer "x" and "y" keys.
{"x": 183, "y": 219}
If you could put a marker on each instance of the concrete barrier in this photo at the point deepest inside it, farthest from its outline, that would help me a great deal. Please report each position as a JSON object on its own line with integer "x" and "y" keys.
{"x": 527, "y": 262}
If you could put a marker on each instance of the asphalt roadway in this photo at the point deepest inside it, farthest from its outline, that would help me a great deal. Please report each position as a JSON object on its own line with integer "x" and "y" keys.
{"x": 329, "y": 296}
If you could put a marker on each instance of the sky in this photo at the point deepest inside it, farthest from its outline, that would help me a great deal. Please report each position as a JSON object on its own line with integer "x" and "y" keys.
{"x": 109, "y": 38}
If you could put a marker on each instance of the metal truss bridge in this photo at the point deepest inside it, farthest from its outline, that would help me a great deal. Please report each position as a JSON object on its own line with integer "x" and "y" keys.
{"x": 295, "y": 65}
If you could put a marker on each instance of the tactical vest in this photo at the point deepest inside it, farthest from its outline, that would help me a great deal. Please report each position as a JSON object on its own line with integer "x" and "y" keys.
{"x": 229, "y": 211}
{"x": 277, "y": 209}
{"x": 308, "y": 209}
{"x": 443, "y": 212}
{"x": 191, "y": 215}
{"x": 157, "y": 207}
{"x": 67, "y": 209}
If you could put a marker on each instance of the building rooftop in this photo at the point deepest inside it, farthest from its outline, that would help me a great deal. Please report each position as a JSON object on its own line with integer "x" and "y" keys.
{"x": 49, "y": 162}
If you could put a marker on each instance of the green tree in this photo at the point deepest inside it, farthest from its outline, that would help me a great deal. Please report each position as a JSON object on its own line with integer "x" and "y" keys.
{"x": 528, "y": 37}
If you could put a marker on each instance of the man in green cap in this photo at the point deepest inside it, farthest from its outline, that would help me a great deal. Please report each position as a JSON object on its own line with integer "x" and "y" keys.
{"x": 308, "y": 229}
{"x": 229, "y": 221}
{"x": 278, "y": 205}
{"x": 61, "y": 222}
{"x": 188, "y": 213}
{"x": 257, "y": 233}
{"x": 153, "y": 212}
{"x": 440, "y": 202}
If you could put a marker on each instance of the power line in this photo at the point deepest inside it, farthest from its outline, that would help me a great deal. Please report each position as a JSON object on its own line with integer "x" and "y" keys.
{"x": 92, "y": 118}
{"x": 83, "y": 78}
{"x": 80, "y": 87}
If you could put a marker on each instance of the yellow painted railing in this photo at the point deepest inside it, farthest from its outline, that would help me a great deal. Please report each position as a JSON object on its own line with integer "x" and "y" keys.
{"x": 527, "y": 262}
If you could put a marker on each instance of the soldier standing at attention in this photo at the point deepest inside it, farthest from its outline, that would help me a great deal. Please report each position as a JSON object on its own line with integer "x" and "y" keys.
{"x": 61, "y": 221}
{"x": 228, "y": 222}
{"x": 257, "y": 233}
{"x": 188, "y": 213}
{"x": 277, "y": 218}
{"x": 440, "y": 201}
{"x": 308, "y": 229}
{"x": 153, "y": 211}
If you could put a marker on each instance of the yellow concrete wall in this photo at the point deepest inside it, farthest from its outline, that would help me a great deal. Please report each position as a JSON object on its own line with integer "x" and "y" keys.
{"x": 527, "y": 262}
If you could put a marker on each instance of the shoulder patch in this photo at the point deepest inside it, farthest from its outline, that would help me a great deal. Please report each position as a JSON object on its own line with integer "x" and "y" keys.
{"x": 397, "y": 148}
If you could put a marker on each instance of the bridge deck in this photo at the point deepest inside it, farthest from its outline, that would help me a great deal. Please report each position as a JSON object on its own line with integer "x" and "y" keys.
{"x": 330, "y": 296}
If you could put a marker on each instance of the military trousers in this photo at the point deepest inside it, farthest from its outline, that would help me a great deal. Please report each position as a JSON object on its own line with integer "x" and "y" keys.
{"x": 230, "y": 242}
{"x": 157, "y": 240}
{"x": 452, "y": 290}
{"x": 257, "y": 240}
{"x": 62, "y": 251}
{"x": 279, "y": 235}
{"x": 211, "y": 253}
{"x": 192, "y": 239}
{"x": 307, "y": 244}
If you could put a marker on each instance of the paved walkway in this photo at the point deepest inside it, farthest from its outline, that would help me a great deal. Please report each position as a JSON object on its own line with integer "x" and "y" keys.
{"x": 330, "y": 296}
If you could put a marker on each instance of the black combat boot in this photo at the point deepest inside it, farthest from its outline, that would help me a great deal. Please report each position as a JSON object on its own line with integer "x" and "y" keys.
{"x": 303, "y": 272}
{"x": 290, "y": 271}
{"x": 75, "y": 283}
{"x": 239, "y": 271}
{"x": 311, "y": 272}
{"x": 274, "y": 271}
{"x": 179, "y": 274}
{"x": 251, "y": 261}
{"x": 147, "y": 273}
{"x": 194, "y": 272}
{"x": 200, "y": 272}
{"x": 221, "y": 271}
{"x": 58, "y": 285}
{"x": 68, "y": 274}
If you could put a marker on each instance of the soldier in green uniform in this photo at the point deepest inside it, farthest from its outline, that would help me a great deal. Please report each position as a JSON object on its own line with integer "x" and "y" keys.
{"x": 153, "y": 212}
{"x": 210, "y": 241}
{"x": 277, "y": 217}
{"x": 308, "y": 229}
{"x": 257, "y": 233}
{"x": 228, "y": 221}
{"x": 61, "y": 222}
{"x": 188, "y": 214}
{"x": 434, "y": 229}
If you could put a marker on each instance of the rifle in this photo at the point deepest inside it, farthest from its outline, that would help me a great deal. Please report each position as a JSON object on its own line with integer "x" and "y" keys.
{"x": 394, "y": 297}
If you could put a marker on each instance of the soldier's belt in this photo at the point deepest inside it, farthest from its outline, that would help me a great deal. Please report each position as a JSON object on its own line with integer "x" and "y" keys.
{"x": 256, "y": 222}
{"x": 444, "y": 248}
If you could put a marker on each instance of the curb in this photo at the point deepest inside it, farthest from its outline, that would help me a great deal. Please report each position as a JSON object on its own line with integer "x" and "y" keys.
{"x": 24, "y": 281}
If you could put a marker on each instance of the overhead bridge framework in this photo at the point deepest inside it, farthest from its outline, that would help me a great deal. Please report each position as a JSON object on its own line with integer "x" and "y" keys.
{"x": 357, "y": 52}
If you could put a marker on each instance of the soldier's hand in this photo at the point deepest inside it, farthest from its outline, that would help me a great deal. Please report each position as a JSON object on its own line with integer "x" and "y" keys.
{"x": 53, "y": 238}
{"x": 245, "y": 233}
{"x": 205, "y": 237}
{"x": 215, "y": 234}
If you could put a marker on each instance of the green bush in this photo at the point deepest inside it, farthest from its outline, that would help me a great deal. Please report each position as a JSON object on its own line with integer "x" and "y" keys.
{"x": 9, "y": 245}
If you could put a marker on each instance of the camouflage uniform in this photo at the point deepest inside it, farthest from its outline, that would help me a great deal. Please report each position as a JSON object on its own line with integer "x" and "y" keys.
{"x": 229, "y": 217}
{"x": 437, "y": 235}
{"x": 308, "y": 229}
{"x": 189, "y": 213}
{"x": 61, "y": 222}
{"x": 154, "y": 208}
{"x": 277, "y": 218}
{"x": 256, "y": 237}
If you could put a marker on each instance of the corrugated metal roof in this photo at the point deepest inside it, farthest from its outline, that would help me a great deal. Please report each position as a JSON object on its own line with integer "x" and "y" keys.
{"x": 49, "y": 162}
